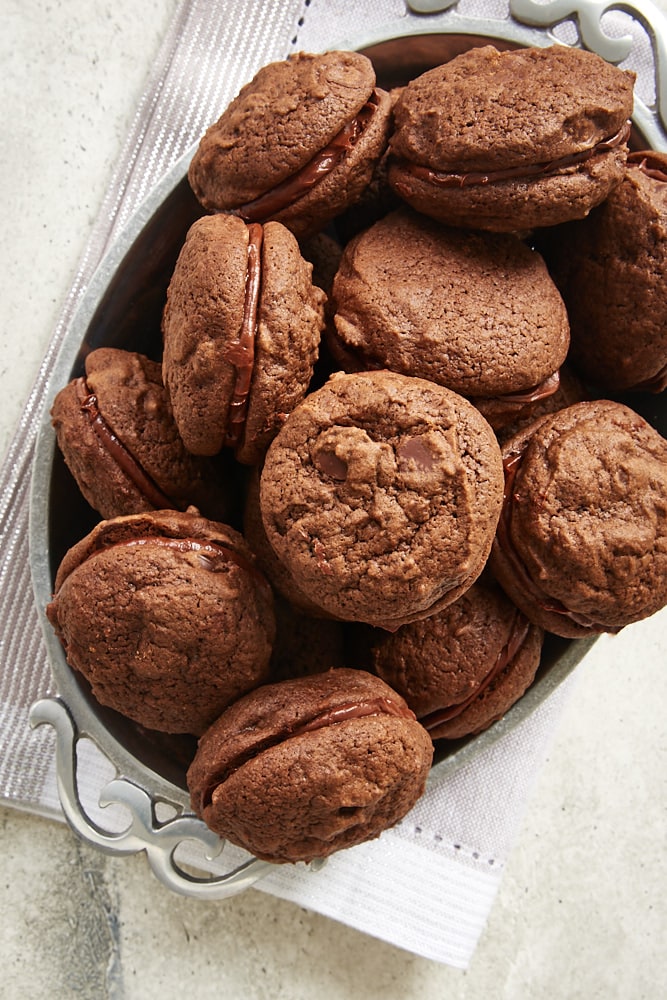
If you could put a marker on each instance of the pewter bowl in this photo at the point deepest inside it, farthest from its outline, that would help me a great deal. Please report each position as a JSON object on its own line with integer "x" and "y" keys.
{"x": 122, "y": 308}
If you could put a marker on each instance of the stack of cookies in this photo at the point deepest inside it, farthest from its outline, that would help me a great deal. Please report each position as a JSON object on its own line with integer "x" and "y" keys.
{"x": 378, "y": 456}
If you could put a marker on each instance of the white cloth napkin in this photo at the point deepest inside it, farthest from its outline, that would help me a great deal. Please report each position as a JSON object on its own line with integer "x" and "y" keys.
{"x": 427, "y": 885}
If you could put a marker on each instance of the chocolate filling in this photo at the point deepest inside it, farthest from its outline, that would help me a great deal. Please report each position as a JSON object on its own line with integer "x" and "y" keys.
{"x": 530, "y": 171}
{"x": 329, "y": 717}
{"x": 356, "y": 358}
{"x": 511, "y": 465}
{"x": 518, "y": 633}
{"x": 652, "y": 166}
{"x": 209, "y": 552}
{"x": 121, "y": 455}
{"x": 241, "y": 352}
{"x": 292, "y": 188}
{"x": 542, "y": 390}
{"x": 513, "y": 404}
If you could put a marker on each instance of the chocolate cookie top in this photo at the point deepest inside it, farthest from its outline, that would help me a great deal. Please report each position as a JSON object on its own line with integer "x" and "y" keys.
{"x": 167, "y": 617}
{"x": 117, "y": 433}
{"x": 302, "y": 768}
{"x": 274, "y": 151}
{"x": 462, "y": 668}
{"x": 241, "y": 328}
{"x": 381, "y": 495}
{"x": 476, "y": 312}
{"x": 505, "y": 109}
{"x": 279, "y": 120}
{"x": 512, "y": 140}
{"x": 612, "y": 271}
{"x": 581, "y": 545}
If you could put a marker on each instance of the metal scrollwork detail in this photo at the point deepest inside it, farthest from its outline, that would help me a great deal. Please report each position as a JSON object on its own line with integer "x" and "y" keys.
{"x": 589, "y": 18}
{"x": 144, "y": 832}
{"x": 589, "y": 14}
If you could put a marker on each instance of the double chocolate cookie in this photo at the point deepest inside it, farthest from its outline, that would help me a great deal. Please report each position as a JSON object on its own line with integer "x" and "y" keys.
{"x": 581, "y": 546}
{"x": 512, "y": 140}
{"x": 461, "y": 669}
{"x": 298, "y": 770}
{"x": 381, "y": 496}
{"x": 298, "y": 144}
{"x": 611, "y": 269}
{"x": 241, "y": 329}
{"x": 167, "y": 617}
{"x": 116, "y": 430}
{"x": 476, "y": 312}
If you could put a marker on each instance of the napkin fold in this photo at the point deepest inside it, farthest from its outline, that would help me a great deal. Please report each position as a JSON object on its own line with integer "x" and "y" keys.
{"x": 428, "y": 884}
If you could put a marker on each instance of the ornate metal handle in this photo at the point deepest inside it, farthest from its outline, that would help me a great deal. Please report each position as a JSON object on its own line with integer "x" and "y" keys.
{"x": 144, "y": 833}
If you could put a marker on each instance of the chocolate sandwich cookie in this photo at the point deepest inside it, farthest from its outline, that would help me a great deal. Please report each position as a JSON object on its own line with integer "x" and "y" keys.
{"x": 612, "y": 271}
{"x": 476, "y": 312}
{"x": 116, "y": 430}
{"x": 461, "y": 669}
{"x": 241, "y": 327}
{"x": 381, "y": 495}
{"x": 302, "y": 768}
{"x": 167, "y": 617}
{"x": 512, "y": 140}
{"x": 581, "y": 546}
{"x": 298, "y": 144}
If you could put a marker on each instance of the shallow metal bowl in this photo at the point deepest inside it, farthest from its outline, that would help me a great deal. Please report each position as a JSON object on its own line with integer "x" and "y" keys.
{"x": 122, "y": 308}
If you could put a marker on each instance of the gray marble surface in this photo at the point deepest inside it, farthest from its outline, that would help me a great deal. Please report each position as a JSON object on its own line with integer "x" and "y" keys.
{"x": 582, "y": 908}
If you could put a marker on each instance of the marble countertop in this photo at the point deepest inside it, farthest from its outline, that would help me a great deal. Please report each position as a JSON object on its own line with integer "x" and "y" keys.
{"x": 582, "y": 907}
